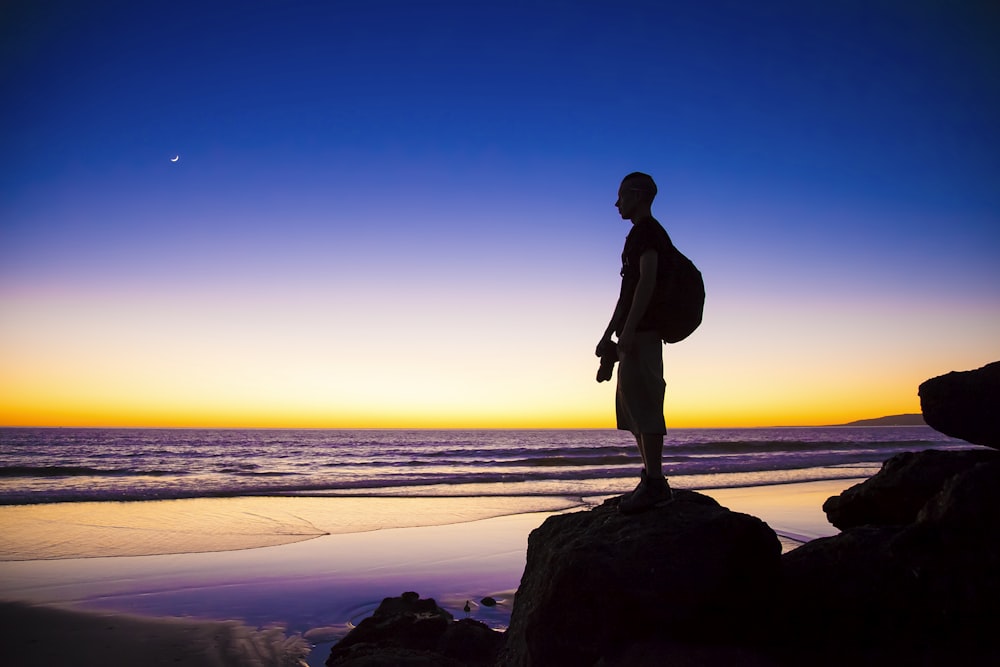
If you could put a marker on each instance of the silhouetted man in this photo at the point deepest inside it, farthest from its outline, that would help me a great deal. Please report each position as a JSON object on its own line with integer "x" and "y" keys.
{"x": 639, "y": 396}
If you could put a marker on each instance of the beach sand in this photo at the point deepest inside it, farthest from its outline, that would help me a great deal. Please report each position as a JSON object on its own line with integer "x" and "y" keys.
{"x": 342, "y": 556}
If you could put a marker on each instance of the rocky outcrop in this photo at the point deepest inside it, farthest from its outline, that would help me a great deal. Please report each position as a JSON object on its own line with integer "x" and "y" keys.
{"x": 408, "y": 631}
{"x": 904, "y": 485}
{"x": 953, "y": 551}
{"x": 846, "y": 589}
{"x": 913, "y": 579}
{"x": 915, "y": 576}
{"x": 965, "y": 405}
{"x": 598, "y": 585}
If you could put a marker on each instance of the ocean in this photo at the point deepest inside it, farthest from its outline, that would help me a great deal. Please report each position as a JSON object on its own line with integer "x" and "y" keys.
{"x": 45, "y": 465}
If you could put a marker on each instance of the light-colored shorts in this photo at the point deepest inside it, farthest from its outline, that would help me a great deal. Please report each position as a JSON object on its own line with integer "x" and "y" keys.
{"x": 639, "y": 397}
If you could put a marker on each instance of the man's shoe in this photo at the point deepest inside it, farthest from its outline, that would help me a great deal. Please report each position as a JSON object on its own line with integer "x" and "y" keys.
{"x": 650, "y": 493}
{"x": 643, "y": 482}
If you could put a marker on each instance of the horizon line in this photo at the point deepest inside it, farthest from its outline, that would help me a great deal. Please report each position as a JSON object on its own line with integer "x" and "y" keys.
{"x": 455, "y": 428}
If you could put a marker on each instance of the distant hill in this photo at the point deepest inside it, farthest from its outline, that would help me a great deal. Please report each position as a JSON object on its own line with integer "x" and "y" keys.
{"x": 891, "y": 420}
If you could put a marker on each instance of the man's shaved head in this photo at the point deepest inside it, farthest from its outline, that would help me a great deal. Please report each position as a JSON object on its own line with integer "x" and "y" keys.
{"x": 642, "y": 183}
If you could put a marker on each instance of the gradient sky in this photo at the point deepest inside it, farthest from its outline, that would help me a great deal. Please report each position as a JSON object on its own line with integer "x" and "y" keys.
{"x": 400, "y": 214}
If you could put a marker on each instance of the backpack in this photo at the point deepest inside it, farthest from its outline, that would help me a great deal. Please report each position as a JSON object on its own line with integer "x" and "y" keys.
{"x": 680, "y": 299}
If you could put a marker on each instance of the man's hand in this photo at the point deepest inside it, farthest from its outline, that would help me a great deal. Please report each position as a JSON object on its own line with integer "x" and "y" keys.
{"x": 605, "y": 348}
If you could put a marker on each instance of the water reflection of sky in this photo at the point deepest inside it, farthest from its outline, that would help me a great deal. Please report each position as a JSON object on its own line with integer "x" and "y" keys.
{"x": 320, "y": 582}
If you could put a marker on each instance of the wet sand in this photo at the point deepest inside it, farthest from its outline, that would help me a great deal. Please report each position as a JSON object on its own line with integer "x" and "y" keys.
{"x": 152, "y": 527}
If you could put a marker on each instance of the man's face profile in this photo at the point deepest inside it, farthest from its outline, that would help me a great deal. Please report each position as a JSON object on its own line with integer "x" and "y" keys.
{"x": 627, "y": 199}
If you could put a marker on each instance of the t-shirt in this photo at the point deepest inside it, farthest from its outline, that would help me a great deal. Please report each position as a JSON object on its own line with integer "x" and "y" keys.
{"x": 646, "y": 234}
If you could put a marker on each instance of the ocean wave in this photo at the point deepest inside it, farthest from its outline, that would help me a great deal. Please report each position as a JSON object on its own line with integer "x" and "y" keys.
{"x": 81, "y": 471}
{"x": 576, "y": 460}
{"x": 497, "y": 485}
{"x": 584, "y": 455}
{"x": 264, "y": 473}
{"x": 559, "y": 479}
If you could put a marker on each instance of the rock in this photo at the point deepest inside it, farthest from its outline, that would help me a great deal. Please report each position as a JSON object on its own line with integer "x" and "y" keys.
{"x": 470, "y": 642}
{"x": 847, "y": 588}
{"x": 953, "y": 550}
{"x": 365, "y": 655}
{"x": 488, "y": 601}
{"x": 895, "y": 495}
{"x": 656, "y": 652}
{"x": 597, "y": 582}
{"x": 920, "y": 592}
{"x": 968, "y": 502}
{"x": 410, "y": 631}
{"x": 965, "y": 404}
{"x": 405, "y": 622}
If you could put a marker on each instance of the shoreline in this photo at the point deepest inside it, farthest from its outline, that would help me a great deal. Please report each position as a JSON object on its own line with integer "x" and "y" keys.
{"x": 316, "y": 587}
{"x": 109, "y": 528}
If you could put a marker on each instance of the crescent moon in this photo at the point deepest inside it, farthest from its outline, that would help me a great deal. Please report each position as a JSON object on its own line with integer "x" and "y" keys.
{"x": 175, "y": 158}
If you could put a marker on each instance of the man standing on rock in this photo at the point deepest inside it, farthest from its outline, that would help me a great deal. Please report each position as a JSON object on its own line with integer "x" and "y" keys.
{"x": 639, "y": 396}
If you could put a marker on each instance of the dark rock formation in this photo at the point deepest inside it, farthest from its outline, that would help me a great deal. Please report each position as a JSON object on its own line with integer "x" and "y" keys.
{"x": 953, "y": 550}
{"x": 965, "y": 404}
{"x": 901, "y": 488}
{"x": 598, "y": 583}
{"x": 409, "y": 631}
{"x": 849, "y": 587}
{"x": 908, "y": 585}
{"x": 914, "y": 579}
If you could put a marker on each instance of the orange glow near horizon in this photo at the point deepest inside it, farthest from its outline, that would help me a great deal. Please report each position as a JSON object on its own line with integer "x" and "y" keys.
{"x": 250, "y": 360}
{"x": 595, "y": 410}
{"x": 67, "y": 368}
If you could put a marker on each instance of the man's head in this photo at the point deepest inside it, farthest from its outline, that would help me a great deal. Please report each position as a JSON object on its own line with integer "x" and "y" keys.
{"x": 635, "y": 195}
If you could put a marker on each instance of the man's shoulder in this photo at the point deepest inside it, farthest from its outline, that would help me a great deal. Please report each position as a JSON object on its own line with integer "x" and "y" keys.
{"x": 649, "y": 231}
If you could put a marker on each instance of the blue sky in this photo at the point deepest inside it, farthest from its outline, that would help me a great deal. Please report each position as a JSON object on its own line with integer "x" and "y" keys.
{"x": 395, "y": 180}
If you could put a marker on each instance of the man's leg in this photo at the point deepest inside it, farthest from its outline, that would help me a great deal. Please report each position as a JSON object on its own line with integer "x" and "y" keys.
{"x": 651, "y": 449}
{"x": 650, "y": 446}
{"x": 642, "y": 454}
{"x": 640, "y": 406}
{"x": 653, "y": 490}
{"x": 642, "y": 450}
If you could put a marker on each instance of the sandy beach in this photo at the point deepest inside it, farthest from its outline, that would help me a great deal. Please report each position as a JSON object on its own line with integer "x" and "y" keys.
{"x": 254, "y": 580}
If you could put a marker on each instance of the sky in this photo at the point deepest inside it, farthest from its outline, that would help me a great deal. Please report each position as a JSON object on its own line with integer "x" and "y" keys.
{"x": 401, "y": 214}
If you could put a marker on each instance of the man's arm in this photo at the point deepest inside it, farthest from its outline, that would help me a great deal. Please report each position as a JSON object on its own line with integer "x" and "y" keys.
{"x": 613, "y": 326}
{"x": 640, "y": 300}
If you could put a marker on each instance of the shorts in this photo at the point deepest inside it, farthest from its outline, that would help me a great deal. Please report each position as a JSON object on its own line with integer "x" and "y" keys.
{"x": 639, "y": 397}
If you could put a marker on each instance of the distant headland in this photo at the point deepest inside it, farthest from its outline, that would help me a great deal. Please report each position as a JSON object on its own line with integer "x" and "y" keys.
{"x": 891, "y": 420}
